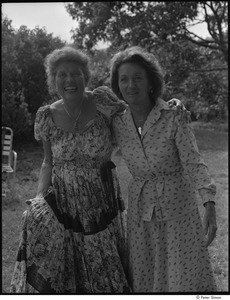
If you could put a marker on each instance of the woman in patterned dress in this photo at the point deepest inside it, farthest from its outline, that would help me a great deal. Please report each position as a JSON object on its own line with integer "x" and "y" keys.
{"x": 166, "y": 242}
{"x": 73, "y": 239}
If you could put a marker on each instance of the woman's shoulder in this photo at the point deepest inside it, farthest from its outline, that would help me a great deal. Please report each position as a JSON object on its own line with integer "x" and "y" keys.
{"x": 164, "y": 106}
{"x": 107, "y": 102}
{"x": 43, "y": 115}
{"x": 178, "y": 114}
{"x": 44, "y": 110}
{"x": 104, "y": 94}
{"x": 42, "y": 122}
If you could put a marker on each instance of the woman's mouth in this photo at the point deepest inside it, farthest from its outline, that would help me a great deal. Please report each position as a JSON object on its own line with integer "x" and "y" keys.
{"x": 132, "y": 94}
{"x": 70, "y": 89}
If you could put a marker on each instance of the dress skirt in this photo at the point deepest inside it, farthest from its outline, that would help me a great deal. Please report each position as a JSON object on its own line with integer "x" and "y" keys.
{"x": 73, "y": 243}
{"x": 169, "y": 256}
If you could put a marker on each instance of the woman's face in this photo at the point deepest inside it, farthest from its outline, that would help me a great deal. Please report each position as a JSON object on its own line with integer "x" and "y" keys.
{"x": 70, "y": 80}
{"x": 133, "y": 83}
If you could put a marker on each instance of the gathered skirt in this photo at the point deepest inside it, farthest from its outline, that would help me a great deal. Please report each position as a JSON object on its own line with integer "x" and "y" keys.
{"x": 169, "y": 256}
{"x": 53, "y": 258}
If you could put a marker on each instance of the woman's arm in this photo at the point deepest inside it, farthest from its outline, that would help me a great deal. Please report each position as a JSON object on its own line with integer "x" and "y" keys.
{"x": 195, "y": 167}
{"x": 209, "y": 222}
{"x": 44, "y": 181}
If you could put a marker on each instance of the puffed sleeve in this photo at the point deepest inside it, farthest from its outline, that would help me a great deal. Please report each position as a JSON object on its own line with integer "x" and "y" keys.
{"x": 41, "y": 126}
{"x": 192, "y": 161}
{"x": 107, "y": 102}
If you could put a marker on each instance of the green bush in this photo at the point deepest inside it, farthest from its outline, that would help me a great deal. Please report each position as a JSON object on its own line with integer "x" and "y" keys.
{"x": 16, "y": 116}
{"x": 206, "y": 96}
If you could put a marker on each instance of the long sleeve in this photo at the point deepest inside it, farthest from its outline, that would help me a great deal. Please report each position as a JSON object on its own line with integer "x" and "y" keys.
{"x": 192, "y": 161}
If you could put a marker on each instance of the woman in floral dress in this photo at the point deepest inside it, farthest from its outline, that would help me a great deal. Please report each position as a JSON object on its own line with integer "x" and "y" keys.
{"x": 166, "y": 243}
{"x": 73, "y": 238}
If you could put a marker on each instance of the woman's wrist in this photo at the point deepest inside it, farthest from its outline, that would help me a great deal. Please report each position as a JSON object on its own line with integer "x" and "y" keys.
{"x": 39, "y": 195}
{"x": 209, "y": 204}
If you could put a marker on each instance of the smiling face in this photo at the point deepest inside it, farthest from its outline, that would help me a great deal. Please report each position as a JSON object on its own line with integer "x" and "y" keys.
{"x": 134, "y": 84}
{"x": 69, "y": 80}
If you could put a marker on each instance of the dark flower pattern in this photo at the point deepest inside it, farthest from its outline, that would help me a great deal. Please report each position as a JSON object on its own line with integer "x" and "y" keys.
{"x": 166, "y": 243}
{"x": 73, "y": 240}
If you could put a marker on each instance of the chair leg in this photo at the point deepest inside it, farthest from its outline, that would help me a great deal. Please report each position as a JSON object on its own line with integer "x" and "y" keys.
{"x": 15, "y": 163}
{"x": 4, "y": 187}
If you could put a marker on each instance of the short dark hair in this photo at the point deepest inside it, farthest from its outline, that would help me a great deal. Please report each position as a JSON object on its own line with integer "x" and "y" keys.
{"x": 65, "y": 54}
{"x": 144, "y": 59}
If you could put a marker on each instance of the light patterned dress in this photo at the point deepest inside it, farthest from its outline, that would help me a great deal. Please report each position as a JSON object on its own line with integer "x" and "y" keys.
{"x": 166, "y": 244}
{"x": 75, "y": 242}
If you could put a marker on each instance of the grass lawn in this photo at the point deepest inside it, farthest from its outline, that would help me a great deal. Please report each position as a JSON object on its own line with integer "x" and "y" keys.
{"x": 213, "y": 146}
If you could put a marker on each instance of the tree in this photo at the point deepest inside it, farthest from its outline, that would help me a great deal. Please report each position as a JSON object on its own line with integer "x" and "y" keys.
{"x": 205, "y": 94}
{"x": 149, "y": 23}
{"x": 31, "y": 47}
{"x": 99, "y": 66}
{"x": 16, "y": 116}
{"x": 23, "y": 53}
{"x": 9, "y": 69}
{"x": 215, "y": 15}
{"x": 190, "y": 62}
{"x": 24, "y": 87}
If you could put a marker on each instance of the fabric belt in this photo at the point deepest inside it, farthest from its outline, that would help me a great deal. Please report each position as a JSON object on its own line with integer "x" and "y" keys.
{"x": 82, "y": 161}
{"x": 159, "y": 181}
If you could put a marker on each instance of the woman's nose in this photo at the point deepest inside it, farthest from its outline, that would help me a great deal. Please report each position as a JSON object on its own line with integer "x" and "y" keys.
{"x": 131, "y": 83}
{"x": 69, "y": 78}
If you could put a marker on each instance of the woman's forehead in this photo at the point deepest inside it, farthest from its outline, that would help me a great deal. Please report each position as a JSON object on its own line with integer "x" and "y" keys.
{"x": 69, "y": 65}
{"x": 131, "y": 68}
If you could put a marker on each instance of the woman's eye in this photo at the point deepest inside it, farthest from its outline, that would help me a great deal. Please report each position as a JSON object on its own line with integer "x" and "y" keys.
{"x": 61, "y": 75}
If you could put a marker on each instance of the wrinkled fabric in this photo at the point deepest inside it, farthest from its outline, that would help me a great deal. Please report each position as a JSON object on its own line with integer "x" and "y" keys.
{"x": 167, "y": 172}
{"x": 165, "y": 164}
{"x": 73, "y": 241}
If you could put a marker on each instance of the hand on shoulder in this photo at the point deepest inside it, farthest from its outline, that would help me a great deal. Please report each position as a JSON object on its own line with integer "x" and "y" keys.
{"x": 178, "y": 105}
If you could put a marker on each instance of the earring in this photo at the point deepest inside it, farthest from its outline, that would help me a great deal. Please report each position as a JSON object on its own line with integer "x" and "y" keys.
{"x": 151, "y": 93}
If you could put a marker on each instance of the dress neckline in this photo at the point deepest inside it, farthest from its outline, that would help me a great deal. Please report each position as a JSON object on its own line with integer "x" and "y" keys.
{"x": 87, "y": 126}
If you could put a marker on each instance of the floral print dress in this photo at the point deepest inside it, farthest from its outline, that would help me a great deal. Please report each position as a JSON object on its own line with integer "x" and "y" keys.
{"x": 166, "y": 244}
{"x": 74, "y": 242}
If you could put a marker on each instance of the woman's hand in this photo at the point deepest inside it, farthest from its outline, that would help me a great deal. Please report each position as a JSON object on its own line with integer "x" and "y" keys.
{"x": 177, "y": 103}
{"x": 209, "y": 222}
{"x": 29, "y": 201}
{"x": 180, "y": 107}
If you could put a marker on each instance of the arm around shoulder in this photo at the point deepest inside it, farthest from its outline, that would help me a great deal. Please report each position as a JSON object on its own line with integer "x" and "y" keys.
{"x": 180, "y": 108}
{"x": 107, "y": 102}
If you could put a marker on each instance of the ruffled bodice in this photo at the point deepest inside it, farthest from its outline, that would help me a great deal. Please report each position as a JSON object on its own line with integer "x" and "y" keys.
{"x": 73, "y": 241}
{"x": 94, "y": 145}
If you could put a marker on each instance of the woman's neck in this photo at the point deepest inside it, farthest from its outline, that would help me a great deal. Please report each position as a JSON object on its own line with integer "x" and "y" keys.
{"x": 140, "y": 111}
{"x": 73, "y": 104}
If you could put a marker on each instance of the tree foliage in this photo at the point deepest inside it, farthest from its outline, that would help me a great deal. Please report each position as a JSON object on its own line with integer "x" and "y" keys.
{"x": 24, "y": 87}
{"x": 195, "y": 68}
{"x": 23, "y": 58}
{"x": 16, "y": 116}
{"x": 191, "y": 62}
{"x": 149, "y": 23}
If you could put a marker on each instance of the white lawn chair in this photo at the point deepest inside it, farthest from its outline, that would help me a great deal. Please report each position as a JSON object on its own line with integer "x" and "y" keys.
{"x": 9, "y": 156}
